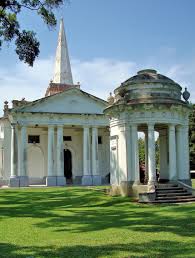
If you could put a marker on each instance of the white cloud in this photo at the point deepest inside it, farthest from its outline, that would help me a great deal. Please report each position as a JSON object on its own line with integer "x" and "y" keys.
{"x": 184, "y": 74}
{"x": 101, "y": 76}
{"x": 98, "y": 76}
{"x": 22, "y": 81}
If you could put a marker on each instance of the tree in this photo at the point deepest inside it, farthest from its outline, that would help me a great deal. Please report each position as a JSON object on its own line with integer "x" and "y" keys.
{"x": 141, "y": 144}
{"x": 192, "y": 138}
{"x": 27, "y": 45}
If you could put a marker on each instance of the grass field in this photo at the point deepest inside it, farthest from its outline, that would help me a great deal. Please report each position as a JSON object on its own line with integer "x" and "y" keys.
{"x": 78, "y": 222}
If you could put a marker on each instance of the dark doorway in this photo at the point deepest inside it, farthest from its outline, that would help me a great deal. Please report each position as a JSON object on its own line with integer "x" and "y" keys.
{"x": 68, "y": 166}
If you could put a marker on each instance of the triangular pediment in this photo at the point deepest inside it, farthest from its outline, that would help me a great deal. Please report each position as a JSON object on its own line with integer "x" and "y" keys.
{"x": 71, "y": 101}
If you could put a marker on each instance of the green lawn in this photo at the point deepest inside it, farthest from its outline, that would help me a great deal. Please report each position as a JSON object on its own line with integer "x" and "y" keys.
{"x": 84, "y": 222}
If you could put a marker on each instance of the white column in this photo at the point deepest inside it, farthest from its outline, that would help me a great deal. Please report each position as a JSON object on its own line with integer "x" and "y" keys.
{"x": 95, "y": 165}
{"x": 23, "y": 152}
{"x": 23, "y": 157}
{"x": 95, "y": 151}
{"x": 186, "y": 157}
{"x": 180, "y": 152}
{"x": 86, "y": 179}
{"x": 14, "y": 181}
{"x": 135, "y": 153}
{"x": 164, "y": 171}
{"x": 51, "y": 179}
{"x": 172, "y": 153}
{"x": 146, "y": 155}
{"x": 60, "y": 156}
{"x": 151, "y": 155}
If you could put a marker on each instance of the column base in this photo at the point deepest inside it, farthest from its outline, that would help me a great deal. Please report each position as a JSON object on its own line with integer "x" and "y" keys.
{"x": 14, "y": 182}
{"x": 97, "y": 180}
{"x": 151, "y": 186}
{"x": 23, "y": 181}
{"x": 128, "y": 188}
{"x": 137, "y": 182}
{"x": 60, "y": 181}
{"x": 51, "y": 181}
{"x": 87, "y": 180}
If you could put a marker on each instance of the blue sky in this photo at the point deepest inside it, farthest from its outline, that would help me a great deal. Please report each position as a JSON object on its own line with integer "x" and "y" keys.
{"x": 109, "y": 40}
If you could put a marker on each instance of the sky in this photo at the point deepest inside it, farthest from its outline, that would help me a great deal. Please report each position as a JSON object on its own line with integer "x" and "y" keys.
{"x": 108, "y": 41}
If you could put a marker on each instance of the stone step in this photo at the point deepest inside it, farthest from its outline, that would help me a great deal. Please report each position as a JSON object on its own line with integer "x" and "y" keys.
{"x": 171, "y": 191}
{"x": 170, "y": 188}
{"x": 172, "y": 194}
{"x": 175, "y": 197}
{"x": 175, "y": 201}
{"x": 162, "y": 186}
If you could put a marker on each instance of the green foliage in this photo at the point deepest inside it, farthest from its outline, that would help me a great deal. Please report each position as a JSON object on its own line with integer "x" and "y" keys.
{"x": 27, "y": 45}
{"x": 192, "y": 138}
{"x": 141, "y": 144}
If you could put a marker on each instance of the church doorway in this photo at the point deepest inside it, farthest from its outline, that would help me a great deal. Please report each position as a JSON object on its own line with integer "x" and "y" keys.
{"x": 68, "y": 166}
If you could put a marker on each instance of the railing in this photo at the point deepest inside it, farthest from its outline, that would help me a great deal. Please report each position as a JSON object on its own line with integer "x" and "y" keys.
{"x": 188, "y": 187}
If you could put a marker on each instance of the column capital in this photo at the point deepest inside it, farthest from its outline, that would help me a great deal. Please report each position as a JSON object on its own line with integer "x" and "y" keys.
{"x": 86, "y": 126}
{"x": 151, "y": 126}
{"x": 51, "y": 126}
{"x": 172, "y": 127}
{"x": 185, "y": 127}
{"x": 134, "y": 126}
{"x": 179, "y": 128}
{"x": 124, "y": 127}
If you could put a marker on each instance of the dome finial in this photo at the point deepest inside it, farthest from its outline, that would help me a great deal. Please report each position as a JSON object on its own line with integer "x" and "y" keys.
{"x": 186, "y": 95}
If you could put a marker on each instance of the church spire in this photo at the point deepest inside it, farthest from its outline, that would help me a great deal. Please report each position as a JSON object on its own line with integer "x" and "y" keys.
{"x": 62, "y": 70}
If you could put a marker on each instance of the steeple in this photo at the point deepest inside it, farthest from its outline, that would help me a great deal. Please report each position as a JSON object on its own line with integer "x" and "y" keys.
{"x": 62, "y": 79}
{"x": 62, "y": 70}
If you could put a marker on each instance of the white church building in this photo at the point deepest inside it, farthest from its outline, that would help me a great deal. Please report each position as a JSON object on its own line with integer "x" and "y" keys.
{"x": 61, "y": 138}
{"x": 72, "y": 137}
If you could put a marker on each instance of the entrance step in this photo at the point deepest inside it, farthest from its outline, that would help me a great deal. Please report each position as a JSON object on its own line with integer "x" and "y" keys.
{"x": 163, "y": 186}
{"x": 175, "y": 197}
{"x": 171, "y": 193}
{"x": 174, "y": 201}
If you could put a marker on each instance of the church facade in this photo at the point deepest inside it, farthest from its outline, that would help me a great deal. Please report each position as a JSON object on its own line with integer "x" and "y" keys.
{"x": 72, "y": 137}
{"x": 59, "y": 139}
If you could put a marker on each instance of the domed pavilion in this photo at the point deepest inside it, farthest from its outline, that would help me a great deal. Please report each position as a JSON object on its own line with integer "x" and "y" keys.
{"x": 152, "y": 104}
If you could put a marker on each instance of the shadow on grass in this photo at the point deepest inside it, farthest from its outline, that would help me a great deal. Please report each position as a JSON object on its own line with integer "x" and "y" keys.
{"x": 149, "y": 249}
{"x": 89, "y": 210}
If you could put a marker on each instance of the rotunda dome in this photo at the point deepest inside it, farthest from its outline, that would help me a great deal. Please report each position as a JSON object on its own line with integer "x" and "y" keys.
{"x": 148, "y": 86}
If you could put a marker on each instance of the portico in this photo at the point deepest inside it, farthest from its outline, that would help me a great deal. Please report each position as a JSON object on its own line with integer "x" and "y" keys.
{"x": 83, "y": 147}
